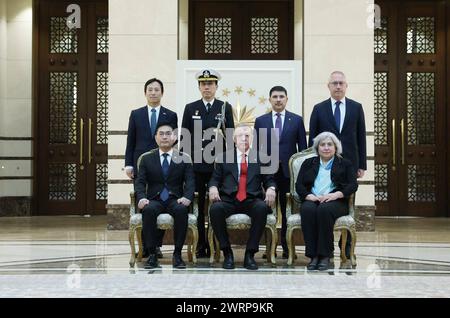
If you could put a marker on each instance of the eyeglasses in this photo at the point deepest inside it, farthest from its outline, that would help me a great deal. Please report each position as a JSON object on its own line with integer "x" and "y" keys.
{"x": 166, "y": 133}
{"x": 337, "y": 83}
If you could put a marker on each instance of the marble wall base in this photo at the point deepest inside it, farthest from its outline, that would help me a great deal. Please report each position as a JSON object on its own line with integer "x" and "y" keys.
{"x": 118, "y": 216}
{"x": 365, "y": 218}
{"x": 15, "y": 206}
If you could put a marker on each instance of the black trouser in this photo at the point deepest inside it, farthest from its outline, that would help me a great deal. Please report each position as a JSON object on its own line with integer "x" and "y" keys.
{"x": 160, "y": 232}
{"x": 201, "y": 186}
{"x": 150, "y": 214}
{"x": 317, "y": 225}
{"x": 282, "y": 188}
{"x": 257, "y": 209}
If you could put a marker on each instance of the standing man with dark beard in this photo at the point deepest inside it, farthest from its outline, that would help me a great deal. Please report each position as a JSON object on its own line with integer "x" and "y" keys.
{"x": 206, "y": 113}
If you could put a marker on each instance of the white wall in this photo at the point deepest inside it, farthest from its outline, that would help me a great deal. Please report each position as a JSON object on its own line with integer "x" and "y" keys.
{"x": 143, "y": 43}
{"x": 15, "y": 94}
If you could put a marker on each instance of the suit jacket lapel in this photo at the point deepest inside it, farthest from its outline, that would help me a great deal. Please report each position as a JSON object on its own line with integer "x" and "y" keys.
{"x": 162, "y": 115}
{"x": 329, "y": 114}
{"x": 234, "y": 167}
{"x": 285, "y": 127}
{"x": 252, "y": 166}
{"x": 157, "y": 162}
{"x": 348, "y": 113}
{"x": 146, "y": 119}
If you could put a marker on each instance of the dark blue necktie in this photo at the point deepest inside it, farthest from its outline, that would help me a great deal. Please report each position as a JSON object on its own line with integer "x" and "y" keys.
{"x": 208, "y": 107}
{"x": 278, "y": 125}
{"x": 153, "y": 122}
{"x": 337, "y": 116}
{"x": 164, "y": 195}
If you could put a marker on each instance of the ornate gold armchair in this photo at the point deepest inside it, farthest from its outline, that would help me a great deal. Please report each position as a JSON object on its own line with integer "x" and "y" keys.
{"x": 164, "y": 222}
{"x": 342, "y": 224}
{"x": 242, "y": 221}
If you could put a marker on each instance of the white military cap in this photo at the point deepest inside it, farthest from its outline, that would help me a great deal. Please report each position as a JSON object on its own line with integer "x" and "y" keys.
{"x": 207, "y": 75}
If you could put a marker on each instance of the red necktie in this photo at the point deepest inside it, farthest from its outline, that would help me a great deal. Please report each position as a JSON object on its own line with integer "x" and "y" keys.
{"x": 242, "y": 190}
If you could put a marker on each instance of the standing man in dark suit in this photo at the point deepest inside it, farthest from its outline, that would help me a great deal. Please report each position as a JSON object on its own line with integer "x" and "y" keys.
{"x": 165, "y": 184}
{"x": 141, "y": 131}
{"x": 343, "y": 117}
{"x": 204, "y": 114}
{"x": 236, "y": 186}
{"x": 288, "y": 130}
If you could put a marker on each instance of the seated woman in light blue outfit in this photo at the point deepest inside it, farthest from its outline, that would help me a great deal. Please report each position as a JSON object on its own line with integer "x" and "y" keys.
{"x": 324, "y": 185}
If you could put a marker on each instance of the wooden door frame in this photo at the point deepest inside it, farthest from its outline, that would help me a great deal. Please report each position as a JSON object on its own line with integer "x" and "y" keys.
{"x": 36, "y": 129}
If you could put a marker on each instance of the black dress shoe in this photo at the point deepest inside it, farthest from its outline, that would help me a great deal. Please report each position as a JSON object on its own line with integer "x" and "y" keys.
{"x": 312, "y": 266}
{"x": 228, "y": 262}
{"x": 177, "y": 261}
{"x": 249, "y": 261}
{"x": 159, "y": 254}
{"x": 152, "y": 262}
{"x": 324, "y": 264}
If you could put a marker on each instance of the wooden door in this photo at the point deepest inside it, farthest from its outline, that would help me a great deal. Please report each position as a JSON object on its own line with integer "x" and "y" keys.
{"x": 245, "y": 30}
{"x": 410, "y": 109}
{"x": 72, "y": 90}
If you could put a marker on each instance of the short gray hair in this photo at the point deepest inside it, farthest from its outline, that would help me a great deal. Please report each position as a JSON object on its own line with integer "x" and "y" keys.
{"x": 327, "y": 135}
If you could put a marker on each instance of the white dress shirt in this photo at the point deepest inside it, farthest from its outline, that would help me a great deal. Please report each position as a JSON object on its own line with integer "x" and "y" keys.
{"x": 274, "y": 118}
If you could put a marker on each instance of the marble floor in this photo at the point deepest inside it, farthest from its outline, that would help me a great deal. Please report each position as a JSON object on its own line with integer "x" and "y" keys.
{"x": 77, "y": 257}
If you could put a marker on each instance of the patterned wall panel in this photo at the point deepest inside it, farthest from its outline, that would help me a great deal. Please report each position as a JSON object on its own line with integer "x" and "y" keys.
{"x": 62, "y": 181}
{"x": 102, "y": 35}
{"x": 421, "y": 183}
{"x": 101, "y": 177}
{"x": 102, "y": 108}
{"x": 381, "y": 182}
{"x": 62, "y": 39}
{"x": 381, "y": 37}
{"x": 218, "y": 35}
{"x": 381, "y": 107}
{"x": 420, "y": 103}
{"x": 420, "y": 35}
{"x": 63, "y": 107}
{"x": 264, "y": 35}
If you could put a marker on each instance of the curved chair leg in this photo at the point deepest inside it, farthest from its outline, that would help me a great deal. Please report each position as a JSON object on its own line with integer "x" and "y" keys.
{"x": 217, "y": 248}
{"x": 189, "y": 247}
{"x": 290, "y": 245}
{"x": 132, "y": 245}
{"x": 343, "y": 242}
{"x": 211, "y": 245}
{"x": 268, "y": 242}
{"x": 273, "y": 245}
{"x": 194, "y": 243}
{"x": 139, "y": 237}
{"x": 352, "y": 250}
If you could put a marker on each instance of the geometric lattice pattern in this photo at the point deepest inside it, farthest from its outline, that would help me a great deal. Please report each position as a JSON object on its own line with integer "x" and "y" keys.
{"x": 264, "y": 35}
{"x": 381, "y": 182}
{"x": 62, "y": 181}
{"x": 420, "y": 108}
{"x": 62, "y": 39}
{"x": 102, "y": 108}
{"x": 381, "y": 107}
{"x": 102, "y": 35}
{"x": 63, "y": 108}
{"x": 420, "y": 35}
{"x": 421, "y": 183}
{"x": 381, "y": 37}
{"x": 101, "y": 177}
{"x": 218, "y": 35}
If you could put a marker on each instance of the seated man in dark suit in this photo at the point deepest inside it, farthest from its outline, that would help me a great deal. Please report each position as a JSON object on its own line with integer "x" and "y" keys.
{"x": 165, "y": 184}
{"x": 236, "y": 187}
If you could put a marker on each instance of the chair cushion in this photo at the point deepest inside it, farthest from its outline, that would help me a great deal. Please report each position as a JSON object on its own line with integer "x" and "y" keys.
{"x": 164, "y": 218}
{"x": 241, "y": 218}
{"x": 294, "y": 220}
{"x": 238, "y": 218}
{"x": 345, "y": 221}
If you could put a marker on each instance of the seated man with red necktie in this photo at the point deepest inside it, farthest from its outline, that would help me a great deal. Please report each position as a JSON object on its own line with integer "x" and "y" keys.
{"x": 236, "y": 187}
